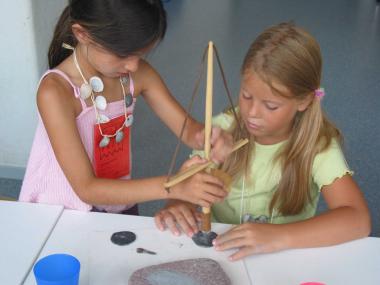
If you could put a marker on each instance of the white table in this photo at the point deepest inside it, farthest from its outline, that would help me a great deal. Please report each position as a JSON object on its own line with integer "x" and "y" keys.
{"x": 86, "y": 236}
{"x": 352, "y": 263}
{"x": 25, "y": 228}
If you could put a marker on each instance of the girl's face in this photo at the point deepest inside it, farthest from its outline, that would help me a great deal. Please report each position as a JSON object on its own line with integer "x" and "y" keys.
{"x": 111, "y": 65}
{"x": 267, "y": 116}
{"x": 104, "y": 61}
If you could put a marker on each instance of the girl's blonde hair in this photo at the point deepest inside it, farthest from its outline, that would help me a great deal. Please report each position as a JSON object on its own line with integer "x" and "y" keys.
{"x": 288, "y": 55}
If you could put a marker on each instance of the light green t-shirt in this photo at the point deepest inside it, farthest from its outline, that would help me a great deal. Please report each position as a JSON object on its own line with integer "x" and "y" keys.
{"x": 253, "y": 195}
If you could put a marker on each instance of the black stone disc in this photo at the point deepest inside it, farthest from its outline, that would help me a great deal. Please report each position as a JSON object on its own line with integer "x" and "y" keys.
{"x": 123, "y": 238}
{"x": 204, "y": 239}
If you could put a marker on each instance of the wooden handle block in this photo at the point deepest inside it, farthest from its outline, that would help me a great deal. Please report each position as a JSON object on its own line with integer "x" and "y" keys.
{"x": 227, "y": 179}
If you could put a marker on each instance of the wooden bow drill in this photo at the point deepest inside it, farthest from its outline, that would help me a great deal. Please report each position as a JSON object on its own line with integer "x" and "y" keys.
{"x": 206, "y": 221}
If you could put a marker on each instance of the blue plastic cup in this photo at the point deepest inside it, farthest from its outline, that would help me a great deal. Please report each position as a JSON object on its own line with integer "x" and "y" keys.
{"x": 57, "y": 269}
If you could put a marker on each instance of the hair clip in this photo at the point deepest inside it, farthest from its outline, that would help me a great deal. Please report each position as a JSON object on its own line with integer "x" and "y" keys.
{"x": 320, "y": 93}
{"x": 67, "y": 46}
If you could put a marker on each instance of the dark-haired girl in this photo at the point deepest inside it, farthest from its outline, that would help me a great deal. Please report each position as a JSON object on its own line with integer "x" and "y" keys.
{"x": 81, "y": 154}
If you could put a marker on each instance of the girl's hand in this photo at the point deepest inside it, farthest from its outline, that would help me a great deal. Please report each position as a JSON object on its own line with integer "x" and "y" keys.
{"x": 251, "y": 238}
{"x": 221, "y": 143}
{"x": 177, "y": 216}
{"x": 201, "y": 189}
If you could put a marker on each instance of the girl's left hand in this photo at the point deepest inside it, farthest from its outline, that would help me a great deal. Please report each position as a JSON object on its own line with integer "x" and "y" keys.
{"x": 251, "y": 238}
{"x": 221, "y": 143}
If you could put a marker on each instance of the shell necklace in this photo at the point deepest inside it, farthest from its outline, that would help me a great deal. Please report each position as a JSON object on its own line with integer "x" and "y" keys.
{"x": 95, "y": 84}
{"x": 249, "y": 218}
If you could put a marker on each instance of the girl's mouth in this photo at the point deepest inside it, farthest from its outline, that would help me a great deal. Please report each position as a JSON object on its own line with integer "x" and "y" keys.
{"x": 253, "y": 126}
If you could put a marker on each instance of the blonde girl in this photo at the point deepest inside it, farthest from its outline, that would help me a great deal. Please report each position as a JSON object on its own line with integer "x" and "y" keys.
{"x": 294, "y": 154}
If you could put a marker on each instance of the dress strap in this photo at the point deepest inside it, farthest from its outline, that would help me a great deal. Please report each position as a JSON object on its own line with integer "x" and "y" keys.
{"x": 131, "y": 86}
{"x": 75, "y": 88}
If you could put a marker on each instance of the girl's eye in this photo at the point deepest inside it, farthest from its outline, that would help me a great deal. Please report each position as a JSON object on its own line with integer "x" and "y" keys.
{"x": 271, "y": 107}
{"x": 246, "y": 96}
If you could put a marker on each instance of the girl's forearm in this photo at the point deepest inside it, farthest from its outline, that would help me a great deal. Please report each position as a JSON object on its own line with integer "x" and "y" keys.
{"x": 333, "y": 227}
{"x": 192, "y": 129}
{"x": 99, "y": 191}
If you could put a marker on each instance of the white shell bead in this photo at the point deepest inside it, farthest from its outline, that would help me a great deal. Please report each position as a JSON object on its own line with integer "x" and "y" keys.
{"x": 96, "y": 84}
{"x": 129, "y": 121}
{"x": 103, "y": 119}
{"x": 119, "y": 136}
{"x": 85, "y": 91}
{"x": 104, "y": 142}
{"x": 100, "y": 102}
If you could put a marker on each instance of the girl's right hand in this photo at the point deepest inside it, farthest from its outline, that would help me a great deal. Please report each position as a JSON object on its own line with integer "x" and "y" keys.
{"x": 178, "y": 216}
{"x": 201, "y": 189}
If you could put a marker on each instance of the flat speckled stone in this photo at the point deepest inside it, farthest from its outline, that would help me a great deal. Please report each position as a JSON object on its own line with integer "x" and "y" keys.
{"x": 199, "y": 271}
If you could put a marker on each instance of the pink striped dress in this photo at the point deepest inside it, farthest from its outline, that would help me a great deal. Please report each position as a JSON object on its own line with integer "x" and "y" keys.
{"x": 44, "y": 180}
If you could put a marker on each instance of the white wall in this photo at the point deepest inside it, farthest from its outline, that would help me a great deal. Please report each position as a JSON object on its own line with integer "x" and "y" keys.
{"x": 26, "y": 28}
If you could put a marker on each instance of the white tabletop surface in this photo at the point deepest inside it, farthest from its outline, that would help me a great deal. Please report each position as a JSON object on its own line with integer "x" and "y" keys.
{"x": 87, "y": 237}
{"x": 24, "y": 229}
{"x": 352, "y": 263}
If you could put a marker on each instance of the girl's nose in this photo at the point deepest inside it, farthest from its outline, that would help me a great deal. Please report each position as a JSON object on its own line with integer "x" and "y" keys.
{"x": 254, "y": 110}
{"x": 132, "y": 63}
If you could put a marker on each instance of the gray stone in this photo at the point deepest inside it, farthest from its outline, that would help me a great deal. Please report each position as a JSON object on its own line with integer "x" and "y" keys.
{"x": 199, "y": 271}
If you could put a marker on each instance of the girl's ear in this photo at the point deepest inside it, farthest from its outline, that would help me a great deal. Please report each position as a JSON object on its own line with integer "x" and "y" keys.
{"x": 80, "y": 34}
{"x": 304, "y": 103}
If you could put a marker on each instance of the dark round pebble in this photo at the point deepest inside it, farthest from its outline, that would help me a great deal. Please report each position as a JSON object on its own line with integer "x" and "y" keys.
{"x": 128, "y": 100}
{"x": 123, "y": 238}
{"x": 204, "y": 239}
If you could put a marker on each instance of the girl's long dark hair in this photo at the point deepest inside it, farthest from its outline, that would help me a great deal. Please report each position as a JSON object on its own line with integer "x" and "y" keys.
{"x": 120, "y": 26}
